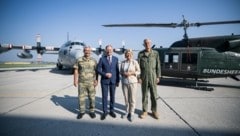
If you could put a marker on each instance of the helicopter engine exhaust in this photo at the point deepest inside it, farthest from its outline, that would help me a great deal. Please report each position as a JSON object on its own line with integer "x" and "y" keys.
{"x": 231, "y": 45}
{"x": 234, "y": 44}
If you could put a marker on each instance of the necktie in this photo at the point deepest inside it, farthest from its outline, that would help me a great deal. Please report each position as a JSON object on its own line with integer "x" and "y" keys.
{"x": 109, "y": 59}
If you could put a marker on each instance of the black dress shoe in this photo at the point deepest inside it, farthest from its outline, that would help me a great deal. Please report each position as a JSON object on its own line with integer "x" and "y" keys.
{"x": 80, "y": 115}
{"x": 112, "y": 114}
{"x": 92, "y": 115}
{"x": 104, "y": 115}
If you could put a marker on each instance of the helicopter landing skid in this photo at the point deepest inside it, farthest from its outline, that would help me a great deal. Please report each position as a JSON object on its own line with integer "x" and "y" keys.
{"x": 204, "y": 88}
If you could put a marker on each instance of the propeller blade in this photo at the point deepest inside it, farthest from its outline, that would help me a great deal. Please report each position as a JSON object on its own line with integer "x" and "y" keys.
{"x": 100, "y": 42}
{"x": 39, "y": 57}
{"x": 5, "y": 47}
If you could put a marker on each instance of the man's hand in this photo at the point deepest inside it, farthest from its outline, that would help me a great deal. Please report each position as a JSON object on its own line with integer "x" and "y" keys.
{"x": 126, "y": 74}
{"x": 75, "y": 83}
{"x": 95, "y": 83}
{"x": 158, "y": 80}
{"x": 75, "y": 77}
{"x": 139, "y": 80}
{"x": 108, "y": 75}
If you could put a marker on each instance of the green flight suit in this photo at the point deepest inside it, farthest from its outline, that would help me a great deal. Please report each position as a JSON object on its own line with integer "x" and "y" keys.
{"x": 150, "y": 71}
{"x": 87, "y": 75}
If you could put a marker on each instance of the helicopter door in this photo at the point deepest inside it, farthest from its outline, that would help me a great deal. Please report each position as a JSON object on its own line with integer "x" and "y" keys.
{"x": 171, "y": 61}
{"x": 189, "y": 62}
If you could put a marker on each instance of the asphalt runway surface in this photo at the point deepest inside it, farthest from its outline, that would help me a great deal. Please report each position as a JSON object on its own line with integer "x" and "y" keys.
{"x": 44, "y": 102}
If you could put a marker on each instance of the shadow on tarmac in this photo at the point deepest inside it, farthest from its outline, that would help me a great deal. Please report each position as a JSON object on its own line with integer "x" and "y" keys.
{"x": 70, "y": 103}
{"x": 42, "y": 126}
{"x": 62, "y": 72}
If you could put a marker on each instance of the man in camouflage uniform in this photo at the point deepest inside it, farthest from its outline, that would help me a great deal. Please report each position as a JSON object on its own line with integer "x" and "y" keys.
{"x": 85, "y": 78}
{"x": 150, "y": 72}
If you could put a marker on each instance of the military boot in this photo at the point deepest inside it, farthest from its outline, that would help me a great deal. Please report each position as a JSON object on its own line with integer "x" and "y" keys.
{"x": 155, "y": 115}
{"x": 143, "y": 115}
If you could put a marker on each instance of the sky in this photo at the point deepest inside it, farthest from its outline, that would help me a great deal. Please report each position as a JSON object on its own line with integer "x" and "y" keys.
{"x": 21, "y": 20}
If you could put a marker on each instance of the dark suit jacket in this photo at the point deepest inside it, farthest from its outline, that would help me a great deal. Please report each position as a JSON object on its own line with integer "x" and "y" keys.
{"x": 104, "y": 67}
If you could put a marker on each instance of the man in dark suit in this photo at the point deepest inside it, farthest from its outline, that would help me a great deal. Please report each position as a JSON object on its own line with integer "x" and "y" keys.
{"x": 109, "y": 70}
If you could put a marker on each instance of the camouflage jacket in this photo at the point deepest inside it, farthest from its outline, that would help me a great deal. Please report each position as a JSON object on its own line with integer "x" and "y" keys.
{"x": 86, "y": 69}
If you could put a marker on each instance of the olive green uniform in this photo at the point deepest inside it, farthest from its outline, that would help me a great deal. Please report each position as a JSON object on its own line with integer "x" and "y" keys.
{"x": 87, "y": 74}
{"x": 150, "y": 70}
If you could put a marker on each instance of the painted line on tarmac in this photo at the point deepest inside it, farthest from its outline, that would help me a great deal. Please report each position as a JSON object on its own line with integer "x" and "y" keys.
{"x": 39, "y": 98}
{"x": 26, "y": 68}
{"x": 193, "y": 129}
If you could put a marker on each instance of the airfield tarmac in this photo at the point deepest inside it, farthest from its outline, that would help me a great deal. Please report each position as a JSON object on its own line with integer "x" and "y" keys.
{"x": 44, "y": 102}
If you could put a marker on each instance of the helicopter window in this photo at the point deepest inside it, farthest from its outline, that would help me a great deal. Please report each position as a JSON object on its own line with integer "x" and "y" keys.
{"x": 171, "y": 58}
{"x": 189, "y": 58}
{"x": 175, "y": 58}
{"x": 166, "y": 58}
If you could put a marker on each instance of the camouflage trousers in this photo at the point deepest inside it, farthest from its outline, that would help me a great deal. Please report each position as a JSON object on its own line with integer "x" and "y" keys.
{"x": 84, "y": 90}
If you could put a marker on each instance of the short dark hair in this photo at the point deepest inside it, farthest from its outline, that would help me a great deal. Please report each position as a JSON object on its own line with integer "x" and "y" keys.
{"x": 109, "y": 45}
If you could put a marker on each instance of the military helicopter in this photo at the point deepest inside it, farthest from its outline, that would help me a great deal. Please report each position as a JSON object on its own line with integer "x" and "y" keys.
{"x": 68, "y": 53}
{"x": 195, "y": 58}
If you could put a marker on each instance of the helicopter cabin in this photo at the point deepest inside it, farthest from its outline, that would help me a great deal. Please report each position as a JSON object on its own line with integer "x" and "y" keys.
{"x": 198, "y": 62}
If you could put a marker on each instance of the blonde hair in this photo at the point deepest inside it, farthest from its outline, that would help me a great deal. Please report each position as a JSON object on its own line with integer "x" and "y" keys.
{"x": 129, "y": 51}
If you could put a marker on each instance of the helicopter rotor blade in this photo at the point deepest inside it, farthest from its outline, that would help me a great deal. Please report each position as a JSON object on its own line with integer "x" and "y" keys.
{"x": 173, "y": 25}
{"x": 215, "y": 23}
{"x": 184, "y": 24}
